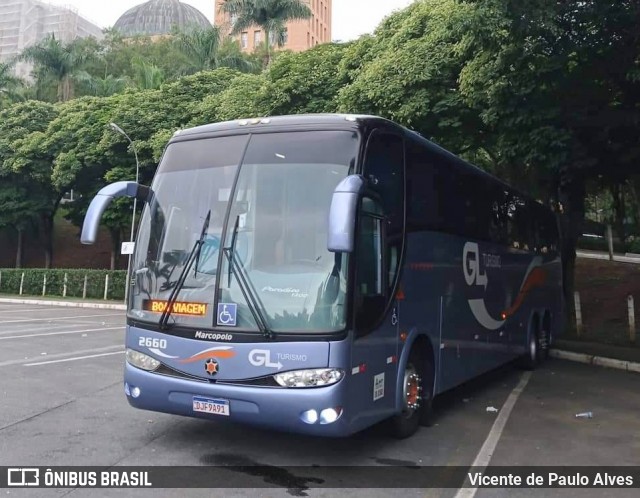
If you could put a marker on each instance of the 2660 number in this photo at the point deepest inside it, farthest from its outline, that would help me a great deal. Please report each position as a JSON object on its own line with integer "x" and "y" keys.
{"x": 152, "y": 343}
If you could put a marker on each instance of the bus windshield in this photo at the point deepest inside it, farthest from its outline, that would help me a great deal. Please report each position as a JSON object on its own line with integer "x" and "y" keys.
{"x": 257, "y": 209}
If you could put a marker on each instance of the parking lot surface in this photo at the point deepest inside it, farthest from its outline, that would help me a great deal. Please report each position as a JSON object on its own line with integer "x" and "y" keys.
{"x": 63, "y": 404}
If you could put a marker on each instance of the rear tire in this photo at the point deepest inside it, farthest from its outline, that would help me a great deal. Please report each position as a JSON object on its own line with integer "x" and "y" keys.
{"x": 531, "y": 358}
{"x": 545, "y": 338}
{"x": 417, "y": 397}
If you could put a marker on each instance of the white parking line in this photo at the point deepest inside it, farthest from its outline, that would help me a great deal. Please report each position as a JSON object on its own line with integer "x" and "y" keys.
{"x": 62, "y": 355}
{"x": 12, "y": 309}
{"x": 50, "y": 327}
{"x": 71, "y": 359}
{"x": 59, "y": 333}
{"x": 51, "y": 319}
{"x": 486, "y": 452}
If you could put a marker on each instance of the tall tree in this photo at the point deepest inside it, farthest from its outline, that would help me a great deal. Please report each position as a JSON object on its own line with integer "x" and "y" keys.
{"x": 9, "y": 85}
{"x": 26, "y": 194}
{"x": 559, "y": 84}
{"x": 102, "y": 87}
{"x": 147, "y": 76}
{"x": 205, "y": 49}
{"x": 59, "y": 61}
{"x": 270, "y": 15}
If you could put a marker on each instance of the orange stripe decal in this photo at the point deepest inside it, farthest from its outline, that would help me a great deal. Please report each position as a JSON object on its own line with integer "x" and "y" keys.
{"x": 209, "y": 354}
{"x": 536, "y": 278}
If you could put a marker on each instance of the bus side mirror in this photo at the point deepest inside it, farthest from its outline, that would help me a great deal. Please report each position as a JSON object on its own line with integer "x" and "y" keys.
{"x": 342, "y": 215}
{"x": 102, "y": 200}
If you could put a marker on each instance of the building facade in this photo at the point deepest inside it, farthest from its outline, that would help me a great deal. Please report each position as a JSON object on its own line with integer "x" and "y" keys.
{"x": 299, "y": 35}
{"x": 26, "y": 22}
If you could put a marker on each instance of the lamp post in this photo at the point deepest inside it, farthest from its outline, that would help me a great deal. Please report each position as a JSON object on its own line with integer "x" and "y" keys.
{"x": 119, "y": 130}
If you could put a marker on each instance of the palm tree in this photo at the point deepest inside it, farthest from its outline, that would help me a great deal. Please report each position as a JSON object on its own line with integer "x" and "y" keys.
{"x": 60, "y": 61}
{"x": 102, "y": 87}
{"x": 206, "y": 49}
{"x": 270, "y": 15}
{"x": 9, "y": 84}
{"x": 147, "y": 76}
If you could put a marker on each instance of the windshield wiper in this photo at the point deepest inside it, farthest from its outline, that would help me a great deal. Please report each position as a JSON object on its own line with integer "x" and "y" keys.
{"x": 193, "y": 256}
{"x": 232, "y": 249}
{"x": 255, "y": 306}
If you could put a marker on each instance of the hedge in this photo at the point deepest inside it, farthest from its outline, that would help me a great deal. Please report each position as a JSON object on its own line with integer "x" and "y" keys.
{"x": 34, "y": 279}
{"x": 599, "y": 244}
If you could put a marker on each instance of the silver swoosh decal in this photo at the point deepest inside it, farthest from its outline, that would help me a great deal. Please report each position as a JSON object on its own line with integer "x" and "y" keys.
{"x": 479, "y": 310}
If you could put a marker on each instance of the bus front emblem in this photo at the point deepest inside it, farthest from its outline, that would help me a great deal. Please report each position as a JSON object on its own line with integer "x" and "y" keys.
{"x": 211, "y": 366}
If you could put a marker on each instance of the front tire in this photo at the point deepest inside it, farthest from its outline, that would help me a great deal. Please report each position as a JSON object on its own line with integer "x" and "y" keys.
{"x": 417, "y": 397}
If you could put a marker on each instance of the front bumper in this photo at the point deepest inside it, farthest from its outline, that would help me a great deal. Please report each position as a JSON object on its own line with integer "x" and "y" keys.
{"x": 272, "y": 408}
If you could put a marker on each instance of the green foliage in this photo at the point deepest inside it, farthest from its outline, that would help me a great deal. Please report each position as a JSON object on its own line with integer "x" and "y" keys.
{"x": 25, "y": 181}
{"x": 634, "y": 245}
{"x": 146, "y": 75}
{"x": 242, "y": 98}
{"x": 543, "y": 94}
{"x": 305, "y": 82}
{"x": 205, "y": 49}
{"x": 10, "y": 86}
{"x": 34, "y": 281}
{"x": 101, "y": 87}
{"x": 409, "y": 73}
{"x": 599, "y": 244}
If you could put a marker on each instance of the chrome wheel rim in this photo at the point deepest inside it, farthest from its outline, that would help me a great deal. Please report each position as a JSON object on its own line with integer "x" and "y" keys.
{"x": 412, "y": 391}
{"x": 533, "y": 347}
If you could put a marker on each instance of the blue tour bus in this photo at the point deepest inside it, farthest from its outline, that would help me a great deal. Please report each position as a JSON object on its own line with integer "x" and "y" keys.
{"x": 323, "y": 273}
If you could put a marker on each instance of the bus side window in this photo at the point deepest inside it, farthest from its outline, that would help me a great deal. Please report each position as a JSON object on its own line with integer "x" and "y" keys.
{"x": 422, "y": 196}
{"x": 384, "y": 170}
{"x": 370, "y": 277}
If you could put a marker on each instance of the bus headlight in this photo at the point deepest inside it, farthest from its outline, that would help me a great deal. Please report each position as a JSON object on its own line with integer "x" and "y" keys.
{"x": 309, "y": 378}
{"x": 142, "y": 361}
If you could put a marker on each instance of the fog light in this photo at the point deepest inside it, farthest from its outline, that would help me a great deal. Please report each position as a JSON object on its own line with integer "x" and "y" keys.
{"x": 135, "y": 392}
{"x": 309, "y": 417}
{"x": 330, "y": 415}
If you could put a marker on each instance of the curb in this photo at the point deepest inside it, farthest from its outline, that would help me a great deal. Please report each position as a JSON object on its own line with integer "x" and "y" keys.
{"x": 66, "y": 304}
{"x": 629, "y": 366}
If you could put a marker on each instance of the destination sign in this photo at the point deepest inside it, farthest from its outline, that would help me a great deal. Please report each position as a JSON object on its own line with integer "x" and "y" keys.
{"x": 178, "y": 308}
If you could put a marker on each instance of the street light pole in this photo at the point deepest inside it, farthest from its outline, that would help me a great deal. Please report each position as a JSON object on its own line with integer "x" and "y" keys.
{"x": 120, "y": 131}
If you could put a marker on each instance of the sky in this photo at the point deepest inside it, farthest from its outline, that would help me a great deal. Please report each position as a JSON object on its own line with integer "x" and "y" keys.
{"x": 351, "y": 18}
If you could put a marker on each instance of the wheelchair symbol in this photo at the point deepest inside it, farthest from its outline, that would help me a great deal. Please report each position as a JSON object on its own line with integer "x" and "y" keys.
{"x": 227, "y": 314}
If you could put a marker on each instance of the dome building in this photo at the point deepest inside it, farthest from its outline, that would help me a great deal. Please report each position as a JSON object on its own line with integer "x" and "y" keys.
{"x": 159, "y": 17}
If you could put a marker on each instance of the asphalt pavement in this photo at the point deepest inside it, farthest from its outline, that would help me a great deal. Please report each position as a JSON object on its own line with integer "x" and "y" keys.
{"x": 63, "y": 404}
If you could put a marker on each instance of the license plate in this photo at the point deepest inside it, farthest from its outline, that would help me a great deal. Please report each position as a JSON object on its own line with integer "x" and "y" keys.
{"x": 212, "y": 406}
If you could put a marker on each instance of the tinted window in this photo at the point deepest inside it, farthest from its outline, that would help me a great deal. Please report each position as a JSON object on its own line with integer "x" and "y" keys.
{"x": 384, "y": 170}
{"x": 422, "y": 198}
{"x": 446, "y": 195}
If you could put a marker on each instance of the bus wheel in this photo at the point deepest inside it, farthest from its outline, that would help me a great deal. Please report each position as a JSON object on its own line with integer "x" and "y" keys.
{"x": 417, "y": 398}
{"x": 545, "y": 338}
{"x": 531, "y": 358}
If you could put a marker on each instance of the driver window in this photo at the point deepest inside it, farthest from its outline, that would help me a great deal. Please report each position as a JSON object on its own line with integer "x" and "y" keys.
{"x": 370, "y": 274}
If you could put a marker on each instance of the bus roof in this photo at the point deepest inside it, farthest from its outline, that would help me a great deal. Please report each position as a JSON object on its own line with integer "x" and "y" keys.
{"x": 347, "y": 121}
{"x": 335, "y": 121}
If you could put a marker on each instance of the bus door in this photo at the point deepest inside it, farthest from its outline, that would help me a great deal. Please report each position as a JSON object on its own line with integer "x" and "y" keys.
{"x": 379, "y": 249}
